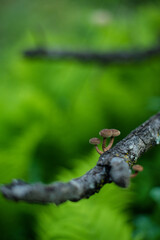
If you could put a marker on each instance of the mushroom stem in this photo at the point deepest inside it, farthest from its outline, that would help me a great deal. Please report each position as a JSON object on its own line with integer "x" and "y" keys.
{"x": 137, "y": 168}
{"x": 97, "y": 149}
{"x": 95, "y": 142}
{"x": 133, "y": 175}
{"x": 109, "y": 145}
{"x": 104, "y": 143}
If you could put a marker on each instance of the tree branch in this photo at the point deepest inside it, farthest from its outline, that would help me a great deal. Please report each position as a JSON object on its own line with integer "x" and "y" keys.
{"x": 100, "y": 57}
{"x": 113, "y": 165}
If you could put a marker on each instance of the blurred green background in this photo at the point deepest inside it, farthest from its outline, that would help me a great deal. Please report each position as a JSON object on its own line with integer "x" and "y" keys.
{"x": 50, "y": 109}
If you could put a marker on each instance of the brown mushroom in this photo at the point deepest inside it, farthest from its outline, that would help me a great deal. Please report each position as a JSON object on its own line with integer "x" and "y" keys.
{"x": 95, "y": 142}
{"x": 115, "y": 133}
{"x": 105, "y": 133}
{"x": 137, "y": 168}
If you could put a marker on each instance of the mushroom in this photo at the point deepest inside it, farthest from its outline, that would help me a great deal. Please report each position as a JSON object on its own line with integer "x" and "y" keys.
{"x": 105, "y": 133}
{"x": 137, "y": 168}
{"x": 115, "y": 133}
{"x": 95, "y": 142}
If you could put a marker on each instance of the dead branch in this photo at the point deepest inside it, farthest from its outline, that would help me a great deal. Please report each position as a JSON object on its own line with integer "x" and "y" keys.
{"x": 99, "y": 57}
{"x": 112, "y": 166}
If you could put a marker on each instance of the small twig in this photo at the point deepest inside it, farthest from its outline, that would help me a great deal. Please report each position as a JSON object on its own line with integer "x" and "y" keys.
{"x": 100, "y": 57}
{"x": 113, "y": 165}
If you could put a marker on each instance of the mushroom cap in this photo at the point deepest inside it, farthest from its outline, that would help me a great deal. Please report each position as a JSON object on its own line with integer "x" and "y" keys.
{"x": 106, "y": 133}
{"x": 94, "y": 141}
{"x": 115, "y": 132}
{"x": 138, "y": 168}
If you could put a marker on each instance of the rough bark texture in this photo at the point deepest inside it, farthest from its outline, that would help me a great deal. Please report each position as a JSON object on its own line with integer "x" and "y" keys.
{"x": 100, "y": 57}
{"x": 112, "y": 165}
{"x": 136, "y": 143}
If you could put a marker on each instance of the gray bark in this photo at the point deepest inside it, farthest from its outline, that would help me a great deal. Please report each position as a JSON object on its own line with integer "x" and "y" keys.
{"x": 112, "y": 166}
{"x": 98, "y": 57}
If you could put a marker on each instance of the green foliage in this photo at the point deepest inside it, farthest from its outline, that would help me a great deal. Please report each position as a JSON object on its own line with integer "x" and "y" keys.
{"x": 49, "y": 110}
{"x": 146, "y": 206}
{"x": 100, "y": 217}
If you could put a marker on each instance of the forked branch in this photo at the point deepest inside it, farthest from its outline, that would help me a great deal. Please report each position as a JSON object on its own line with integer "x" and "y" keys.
{"x": 112, "y": 166}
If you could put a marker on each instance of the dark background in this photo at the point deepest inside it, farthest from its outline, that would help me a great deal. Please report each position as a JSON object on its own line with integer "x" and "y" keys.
{"x": 50, "y": 109}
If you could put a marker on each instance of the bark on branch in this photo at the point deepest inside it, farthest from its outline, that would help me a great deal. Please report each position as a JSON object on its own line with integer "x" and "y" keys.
{"x": 100, "y": 57}
{"x": 113, "y": 165}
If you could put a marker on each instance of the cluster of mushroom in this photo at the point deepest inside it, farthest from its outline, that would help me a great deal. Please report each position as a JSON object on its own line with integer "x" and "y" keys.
{"x": 111, "y": 133}
{"x": 105, "y": 133}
